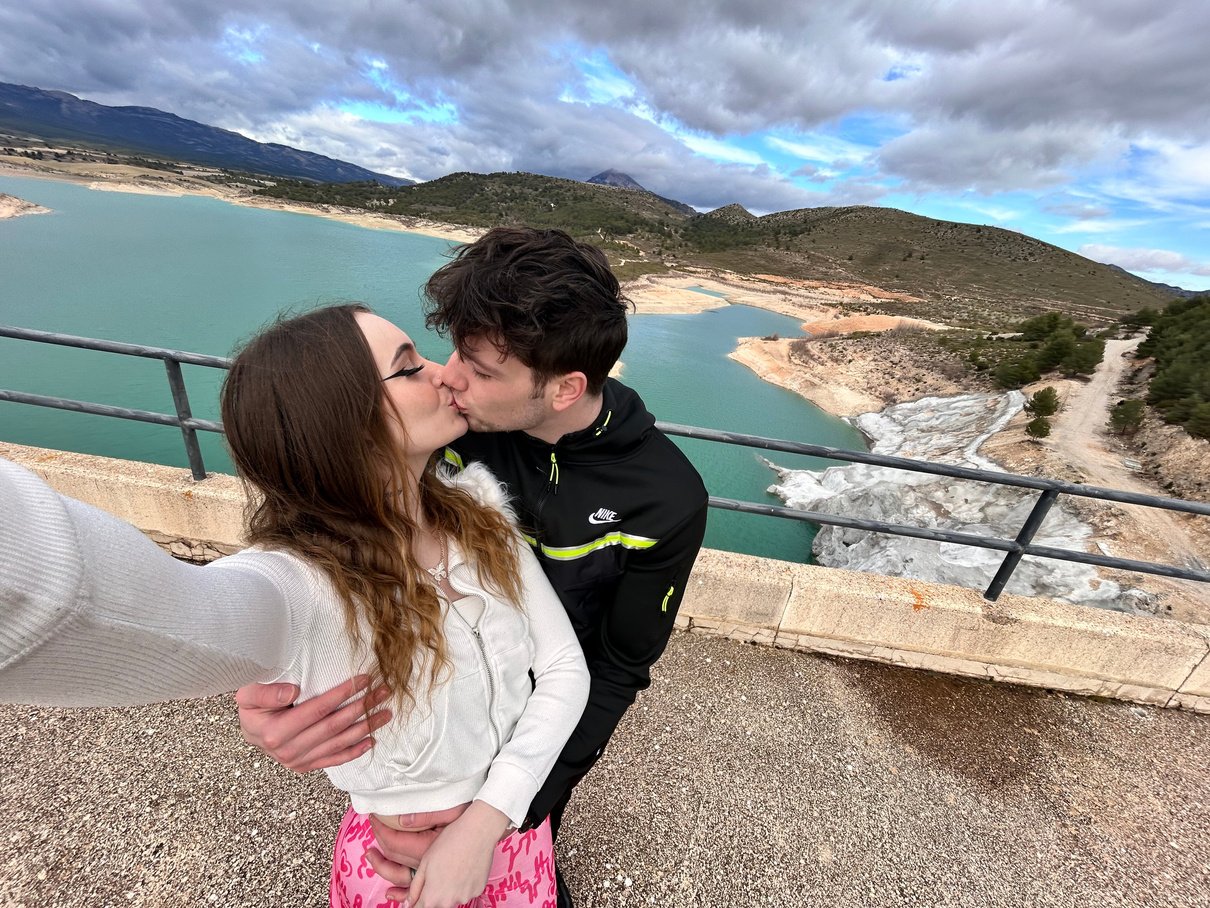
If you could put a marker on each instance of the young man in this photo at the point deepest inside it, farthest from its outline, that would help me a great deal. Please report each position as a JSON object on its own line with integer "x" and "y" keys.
{"x": 614, "y": 510}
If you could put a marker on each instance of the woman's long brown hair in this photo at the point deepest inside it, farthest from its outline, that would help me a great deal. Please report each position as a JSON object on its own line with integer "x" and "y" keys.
{"x": 309, "y": 429}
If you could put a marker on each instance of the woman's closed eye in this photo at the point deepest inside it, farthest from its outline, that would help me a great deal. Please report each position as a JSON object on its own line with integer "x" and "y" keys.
{"x": 405, "y": 372}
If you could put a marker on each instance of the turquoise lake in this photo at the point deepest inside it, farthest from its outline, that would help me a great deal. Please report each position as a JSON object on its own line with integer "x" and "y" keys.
{"x": 198, "y": 274}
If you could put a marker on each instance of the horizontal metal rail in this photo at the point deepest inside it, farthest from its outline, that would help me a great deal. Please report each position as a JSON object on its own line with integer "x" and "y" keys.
{"x": 1014, "y": 549}
{"x": 172, "y": 360}
{"x": 81, "y": 406}
{"x": 108, "y": 346}
{"x": 937, "y": 469}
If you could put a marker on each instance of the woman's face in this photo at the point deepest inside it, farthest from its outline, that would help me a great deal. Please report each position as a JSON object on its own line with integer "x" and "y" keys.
{"x": 413, "y": 384}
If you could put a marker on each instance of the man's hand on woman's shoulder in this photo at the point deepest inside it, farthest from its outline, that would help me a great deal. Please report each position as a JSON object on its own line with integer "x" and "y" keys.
{"x": 314, "y": 734}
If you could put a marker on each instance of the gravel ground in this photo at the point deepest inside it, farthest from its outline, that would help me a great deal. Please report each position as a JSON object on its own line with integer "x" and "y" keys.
{"x": 746, "y": 776}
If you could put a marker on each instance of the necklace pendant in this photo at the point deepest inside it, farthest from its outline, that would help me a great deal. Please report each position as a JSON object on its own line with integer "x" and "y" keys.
{"x": 439, "y": 573}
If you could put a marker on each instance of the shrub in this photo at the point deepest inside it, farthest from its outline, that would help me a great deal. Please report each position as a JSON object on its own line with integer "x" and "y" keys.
{"x": 1126, "y": 417}
{"x": 1038, "y": 427}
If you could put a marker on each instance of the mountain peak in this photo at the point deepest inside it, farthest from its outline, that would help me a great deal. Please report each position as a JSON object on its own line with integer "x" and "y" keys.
{"x": 616, "y": 178}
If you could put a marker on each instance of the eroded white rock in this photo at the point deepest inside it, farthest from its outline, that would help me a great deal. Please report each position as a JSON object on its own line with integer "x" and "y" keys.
{"x": 946, "y": 430}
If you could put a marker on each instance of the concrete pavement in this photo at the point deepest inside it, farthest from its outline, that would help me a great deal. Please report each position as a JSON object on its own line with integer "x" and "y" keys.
{"x": 746, "y": 776}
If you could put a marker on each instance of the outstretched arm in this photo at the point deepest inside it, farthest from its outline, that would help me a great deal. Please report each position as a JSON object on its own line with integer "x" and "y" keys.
{"x": 92, "y": 613}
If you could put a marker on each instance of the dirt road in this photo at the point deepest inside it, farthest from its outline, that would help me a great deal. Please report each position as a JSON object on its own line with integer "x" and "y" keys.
{"x": 1079, "y": 437}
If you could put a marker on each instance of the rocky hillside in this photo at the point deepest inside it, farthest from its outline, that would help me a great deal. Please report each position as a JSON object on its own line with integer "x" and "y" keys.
{"x": 967, "y": 274}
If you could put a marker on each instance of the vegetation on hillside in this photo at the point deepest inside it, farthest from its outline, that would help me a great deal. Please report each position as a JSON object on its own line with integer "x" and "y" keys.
{"x": 363, "y": 194}
{"x": 980, "y": 277}
{"x": 1180, "y": 342}
{"x": 1041, "y": 345}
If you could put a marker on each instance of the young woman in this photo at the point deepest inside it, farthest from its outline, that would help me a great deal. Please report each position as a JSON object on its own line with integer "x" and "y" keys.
{"x": 363, "y": 559}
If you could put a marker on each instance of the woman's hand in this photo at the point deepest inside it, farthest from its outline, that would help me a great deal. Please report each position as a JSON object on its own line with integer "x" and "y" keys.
{"x": 399, "y": 849}
{"x": 454, "y": 870}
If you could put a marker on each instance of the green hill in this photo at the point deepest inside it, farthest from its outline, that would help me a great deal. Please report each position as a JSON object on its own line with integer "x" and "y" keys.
{"x": 966, "y": 273}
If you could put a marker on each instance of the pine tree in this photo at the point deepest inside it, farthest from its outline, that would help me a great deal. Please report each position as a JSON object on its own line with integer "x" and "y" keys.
{"x": 1043, "y": 403}
{"x": 1038, "y": 427}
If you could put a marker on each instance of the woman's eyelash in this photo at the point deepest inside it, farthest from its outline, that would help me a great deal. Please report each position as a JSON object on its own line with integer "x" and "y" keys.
{"x": 404, "y": 373}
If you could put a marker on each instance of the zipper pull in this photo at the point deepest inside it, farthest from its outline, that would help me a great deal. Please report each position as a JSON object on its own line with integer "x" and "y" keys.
{"x": 553, "y": 477}
{"x": 667, "y": 596}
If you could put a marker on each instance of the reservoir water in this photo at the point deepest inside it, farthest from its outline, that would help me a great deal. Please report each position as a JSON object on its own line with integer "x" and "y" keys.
{"x": 199, "y": 274}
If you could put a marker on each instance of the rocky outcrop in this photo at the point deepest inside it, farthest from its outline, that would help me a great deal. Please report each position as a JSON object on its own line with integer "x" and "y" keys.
{"x": 947, "y": 430}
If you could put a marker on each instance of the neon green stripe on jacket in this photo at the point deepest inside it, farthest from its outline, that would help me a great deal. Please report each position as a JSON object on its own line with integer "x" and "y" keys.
{"x": 572, "y": 552}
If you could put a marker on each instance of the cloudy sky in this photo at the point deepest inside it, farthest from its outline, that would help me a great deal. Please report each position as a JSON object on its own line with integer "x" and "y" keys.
{"x": 1085, "y": 123}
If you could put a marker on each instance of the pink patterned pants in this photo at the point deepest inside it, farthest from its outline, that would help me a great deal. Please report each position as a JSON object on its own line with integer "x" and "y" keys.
{"x": 522, "y": 874}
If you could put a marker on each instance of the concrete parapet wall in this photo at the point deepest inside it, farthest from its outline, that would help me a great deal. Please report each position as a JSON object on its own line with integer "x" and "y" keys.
{"x": 1039, "y": 642}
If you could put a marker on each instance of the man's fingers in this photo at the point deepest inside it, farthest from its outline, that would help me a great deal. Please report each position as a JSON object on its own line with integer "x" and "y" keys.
{"x": 396, "y": 874}
{"x": 315, "y": 748}
{"x": 266, "y": 696}
{"x": 405, "y": 848}
{"x": 302, "y": 745}
{"x": 311, "y": 711}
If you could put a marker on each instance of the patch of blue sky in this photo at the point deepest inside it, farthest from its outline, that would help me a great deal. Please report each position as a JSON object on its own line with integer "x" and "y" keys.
{"x": 406, "y": 107}
{"x": 1011, "y": 210}
{"x": 415, "y": 113}
{"x": 904, "y": 69}
{"x": 871, "y": 129}
{"x": 596, "y": 79}
{"x": 733, "y": 150}
{"x": 241, "y": 44}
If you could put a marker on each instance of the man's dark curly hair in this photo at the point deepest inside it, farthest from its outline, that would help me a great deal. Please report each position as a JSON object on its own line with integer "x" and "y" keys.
{"x": 539, "y": 295}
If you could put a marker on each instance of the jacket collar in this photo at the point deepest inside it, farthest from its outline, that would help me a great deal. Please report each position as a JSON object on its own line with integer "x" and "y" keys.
{"x": 618, "y": 429}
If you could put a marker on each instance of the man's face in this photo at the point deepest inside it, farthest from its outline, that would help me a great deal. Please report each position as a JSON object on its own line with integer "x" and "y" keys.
{"x": 494, "y": 392}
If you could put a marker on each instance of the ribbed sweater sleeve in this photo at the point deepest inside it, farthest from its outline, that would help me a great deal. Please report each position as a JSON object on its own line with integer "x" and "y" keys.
{"x": 93, "y": 613}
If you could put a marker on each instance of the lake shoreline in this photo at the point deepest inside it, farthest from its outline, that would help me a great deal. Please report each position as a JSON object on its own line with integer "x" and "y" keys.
{"x": 144, "y": 181}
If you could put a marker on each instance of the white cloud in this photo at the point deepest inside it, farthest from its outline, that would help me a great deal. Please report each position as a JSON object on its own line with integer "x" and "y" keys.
{"x": 719, "y": 150}
{"x": 962, "y": 95}
{"x": 822, "y": 149}
{"x": 1149, "y": 260}
{"x": 1101, "y": 225}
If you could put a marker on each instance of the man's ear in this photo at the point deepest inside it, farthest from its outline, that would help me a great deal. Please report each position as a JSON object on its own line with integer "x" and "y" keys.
{"x": 568, "y": 389}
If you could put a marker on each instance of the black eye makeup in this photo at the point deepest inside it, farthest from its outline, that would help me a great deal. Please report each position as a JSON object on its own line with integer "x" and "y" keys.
{"x": 405, "y": 372}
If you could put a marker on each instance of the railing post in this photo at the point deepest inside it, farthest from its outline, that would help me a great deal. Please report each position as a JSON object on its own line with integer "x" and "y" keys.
{"x": 180, "y": 399}
{"x": 1024, "y": 538}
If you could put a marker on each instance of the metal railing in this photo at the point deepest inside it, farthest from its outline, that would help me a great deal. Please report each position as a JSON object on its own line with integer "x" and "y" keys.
{"x": 1015, "y": 549}
{"x": 172, "y": 359}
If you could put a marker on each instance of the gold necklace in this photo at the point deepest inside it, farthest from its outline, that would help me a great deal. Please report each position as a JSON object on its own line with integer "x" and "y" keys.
{"x": 440, "y": 572}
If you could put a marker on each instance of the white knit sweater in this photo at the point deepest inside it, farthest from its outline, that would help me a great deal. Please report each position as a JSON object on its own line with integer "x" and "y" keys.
{"x": 92, "y": 614}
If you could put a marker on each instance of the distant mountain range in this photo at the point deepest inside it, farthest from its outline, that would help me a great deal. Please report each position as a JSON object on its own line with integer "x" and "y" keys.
{"x": 59, "y": 116}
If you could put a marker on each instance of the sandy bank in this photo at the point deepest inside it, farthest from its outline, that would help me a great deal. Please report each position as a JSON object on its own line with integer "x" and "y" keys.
{"x": 851, "y": 375}
{"x": 841, "y": 392}
{"x": 199, "y": 181}
{"x": 680, "y": 293}
{"x": 13, "y": 207}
